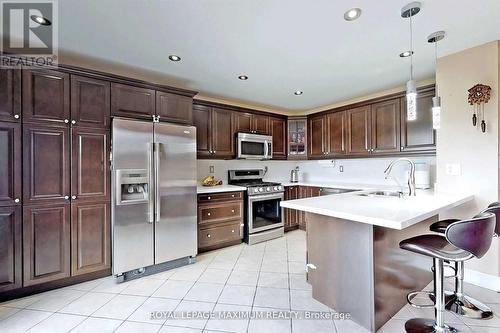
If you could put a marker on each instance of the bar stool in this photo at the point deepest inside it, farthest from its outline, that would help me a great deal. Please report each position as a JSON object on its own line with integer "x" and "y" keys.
{"x": 463, "y": 240}
{"x": 458, "y": 302}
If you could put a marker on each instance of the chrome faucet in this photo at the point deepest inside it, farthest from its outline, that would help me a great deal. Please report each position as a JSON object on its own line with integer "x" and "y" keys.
{"x": 411, "y": 178}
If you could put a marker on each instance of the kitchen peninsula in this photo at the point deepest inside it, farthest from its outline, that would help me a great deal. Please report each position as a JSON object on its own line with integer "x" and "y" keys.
{"x": 353, "y": 257}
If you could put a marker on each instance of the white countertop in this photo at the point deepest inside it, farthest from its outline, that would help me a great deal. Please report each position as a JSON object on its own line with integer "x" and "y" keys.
{"x": 343, "y": 185}
{"x": 219, "y": 188}
{"x": 389, "y": 212}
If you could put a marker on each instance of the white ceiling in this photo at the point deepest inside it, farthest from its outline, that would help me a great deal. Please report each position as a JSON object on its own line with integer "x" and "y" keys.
{"x": 282, "y": 45}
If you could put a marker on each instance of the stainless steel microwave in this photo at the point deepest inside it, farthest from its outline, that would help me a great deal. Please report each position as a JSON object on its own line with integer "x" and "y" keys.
{"x": 254, "y": 146}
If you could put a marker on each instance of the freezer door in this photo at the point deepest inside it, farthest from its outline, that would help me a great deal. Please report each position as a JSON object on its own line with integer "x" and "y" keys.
{"x": 132, "y": 196}
{"x": 175, "y": 205}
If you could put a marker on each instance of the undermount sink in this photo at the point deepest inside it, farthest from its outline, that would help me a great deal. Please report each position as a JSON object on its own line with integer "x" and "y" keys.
{"x": 382, "y": 194}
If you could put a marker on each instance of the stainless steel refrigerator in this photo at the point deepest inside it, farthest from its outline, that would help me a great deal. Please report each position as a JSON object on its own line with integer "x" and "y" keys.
{"x": 154, "y": 216}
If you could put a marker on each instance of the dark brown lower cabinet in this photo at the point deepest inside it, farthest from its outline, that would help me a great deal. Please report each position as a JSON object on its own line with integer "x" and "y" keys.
{"x": 294, "y": 219}
{"x": 10, "y": 248}
{"x": 90, "y": 237}
{"x": 46, "y": 243}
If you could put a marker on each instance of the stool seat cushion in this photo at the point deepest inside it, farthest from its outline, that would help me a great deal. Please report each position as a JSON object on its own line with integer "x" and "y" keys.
{"x": 435, "y": 246}
{"x": 440, "y": 226}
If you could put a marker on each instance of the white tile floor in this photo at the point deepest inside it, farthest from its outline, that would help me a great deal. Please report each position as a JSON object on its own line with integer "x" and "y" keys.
{"x": 262, "y": 277}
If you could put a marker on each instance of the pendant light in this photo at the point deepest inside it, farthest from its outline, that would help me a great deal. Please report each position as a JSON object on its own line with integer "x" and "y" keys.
{"x": 436, "y": 100}
{"x": 409, "y": 11}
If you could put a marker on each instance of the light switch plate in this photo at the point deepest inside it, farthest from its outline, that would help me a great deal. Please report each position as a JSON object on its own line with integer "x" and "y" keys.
{"x": 341, "y": 168}
{"x": 211, "y": 169}
{"x": 453, "y": 169}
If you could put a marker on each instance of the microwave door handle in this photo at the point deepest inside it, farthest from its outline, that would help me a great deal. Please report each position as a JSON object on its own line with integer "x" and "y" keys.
{"x": 266, "y": 151}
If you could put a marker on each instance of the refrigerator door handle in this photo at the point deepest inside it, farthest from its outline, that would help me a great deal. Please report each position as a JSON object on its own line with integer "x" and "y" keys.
{"x": 157, "y": 147}
{"x": 151, "y": 212}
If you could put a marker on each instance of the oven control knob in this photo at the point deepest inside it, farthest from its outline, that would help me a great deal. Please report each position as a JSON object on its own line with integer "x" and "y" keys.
{"x": 256, "y": 190}
{"x": 275, "y": 188}
{"x": 268, "y": 189}
{"x": 261, "y": 189}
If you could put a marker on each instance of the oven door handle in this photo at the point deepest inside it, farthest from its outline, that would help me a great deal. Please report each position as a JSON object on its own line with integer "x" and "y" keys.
{"x": 265, "y": 197}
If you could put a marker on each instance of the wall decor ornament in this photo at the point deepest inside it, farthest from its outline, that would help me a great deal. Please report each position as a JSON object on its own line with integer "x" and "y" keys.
{"x": 479, "y": 95}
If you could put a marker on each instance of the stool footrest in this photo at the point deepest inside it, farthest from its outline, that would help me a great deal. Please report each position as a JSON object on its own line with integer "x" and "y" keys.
{"x": 414, "y": 294}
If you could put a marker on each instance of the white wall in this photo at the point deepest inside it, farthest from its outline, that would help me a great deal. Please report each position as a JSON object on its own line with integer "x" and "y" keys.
{"x": 459, "y": 142}
{"x": 362, "y": 170}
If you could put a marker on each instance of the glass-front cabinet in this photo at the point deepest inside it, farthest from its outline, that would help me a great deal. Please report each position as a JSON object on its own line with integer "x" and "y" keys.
{"x": 297, "y": 138}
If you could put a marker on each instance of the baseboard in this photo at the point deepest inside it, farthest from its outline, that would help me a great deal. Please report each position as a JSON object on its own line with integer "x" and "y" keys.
{"x": 482, "y": 280}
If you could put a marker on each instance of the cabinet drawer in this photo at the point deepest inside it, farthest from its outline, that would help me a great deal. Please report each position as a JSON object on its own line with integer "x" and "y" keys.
{"x": 220, "y": 212}
{"x": 221, "y": 234}
{"x": 224, "y": 196}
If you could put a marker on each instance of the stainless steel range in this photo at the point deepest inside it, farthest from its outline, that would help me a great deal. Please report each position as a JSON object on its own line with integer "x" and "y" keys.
{"x": 264, "y": 215}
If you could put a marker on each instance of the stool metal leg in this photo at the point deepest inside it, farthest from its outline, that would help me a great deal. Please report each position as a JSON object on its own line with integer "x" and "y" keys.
{"x": 423, "y": 325}
{"x": 464, "y": 305}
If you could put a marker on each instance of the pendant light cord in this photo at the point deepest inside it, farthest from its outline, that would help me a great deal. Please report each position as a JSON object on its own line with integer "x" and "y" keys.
{"x": 436, "y": 64}
{"x": 411, "y": 47}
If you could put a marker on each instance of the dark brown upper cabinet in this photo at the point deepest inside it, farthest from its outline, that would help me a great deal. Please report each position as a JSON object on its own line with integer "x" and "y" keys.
{"x": 132, "y": 102}
{"x": 90, "y": 237}
{"x": 336, "y": 124}
{"x": 385, "y": 127}
{"x": 297, "y": 138}
{"x": 46, "y": 243}
{"x": 90, "y": 176}
{"x": 359, "y": 131}
{"x": 46, "y": 163}
{"x": 317, "y": 137}
{"x": 46, "y": 96}
{"x": 90, "y": 102}
{"x": 174, "y": 108}
{"x": 10, "y": 94}
{"x": 202, "y": 120}
{"x": 221, "y": 132}
{"x": 214, "y": 132}
{"x": 278, "y": 131}
{"x": 10, "y": 164}
{"x": 418, "y": 135}
{"x": 10, "y": 248}
{"x": 251, "y": 123}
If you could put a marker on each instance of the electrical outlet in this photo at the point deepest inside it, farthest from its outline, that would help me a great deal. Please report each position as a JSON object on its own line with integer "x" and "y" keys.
{"x": 341, "y": 168}
{"x": 453, "y": 169}
{"x": 211, "y": 169}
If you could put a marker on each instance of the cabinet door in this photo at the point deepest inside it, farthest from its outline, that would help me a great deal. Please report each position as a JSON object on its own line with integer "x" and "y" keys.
{"x": 10, "y": 94}
{"x": 222, "y": 133}
{"x": 260, "y": 124}
{"x": 297, "y": 138}
{"x": 90, "y": 177}
{"x": 90, "y": 237}
{"x": 90, "y": 102}
{"x": 317, "y": 129}
{"x": 132, "y": 102}
{"x": 10, "y": 164}
{"x": 46, "y": 243}
{"x": 10, "y": 248}
{"x": 243, "y": 122}
{"x": 337, "y": 125}
{"x": 45, "y": 96}
{"x": 385, "y": 129}
{"x": 174, "y": 108}
{"x": 46, "y": 155}
{"x": 202, "y": 122}
{"x": 278, "y": 132}
{"x": 418, "y": 135}
{"x": 359, "y": 131}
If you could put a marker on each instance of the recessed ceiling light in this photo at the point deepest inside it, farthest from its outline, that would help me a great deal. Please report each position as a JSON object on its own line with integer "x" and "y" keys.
{"x": 173, "y": 57}
{"x": 298, "y": 92}
{"x": 406, "y": 54}
{"x": 352, "y": 14}
{"x": 40, "y": 20}
{"x": 243, "y": 77}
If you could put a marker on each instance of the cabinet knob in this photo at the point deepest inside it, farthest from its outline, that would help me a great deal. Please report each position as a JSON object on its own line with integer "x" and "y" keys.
{"x": 232, "y": 231}
{"x": 73, "y": 122}
{"x": 16, "y": 116}
{"x": 208, "y": 214}
{"x": 232, "y": 195}
{"x": 402, "y": 148}
{"x": 215, "y": 151}
{"x": 66, "y": 121}
{"x": 208, "y": 236}
{"x": 232, "y": 210}
{"x": 73, "y": 197}
{"x": 16, "y": 200}
{"x": 209, "y": 198}
{"x": 66, "y": 197}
